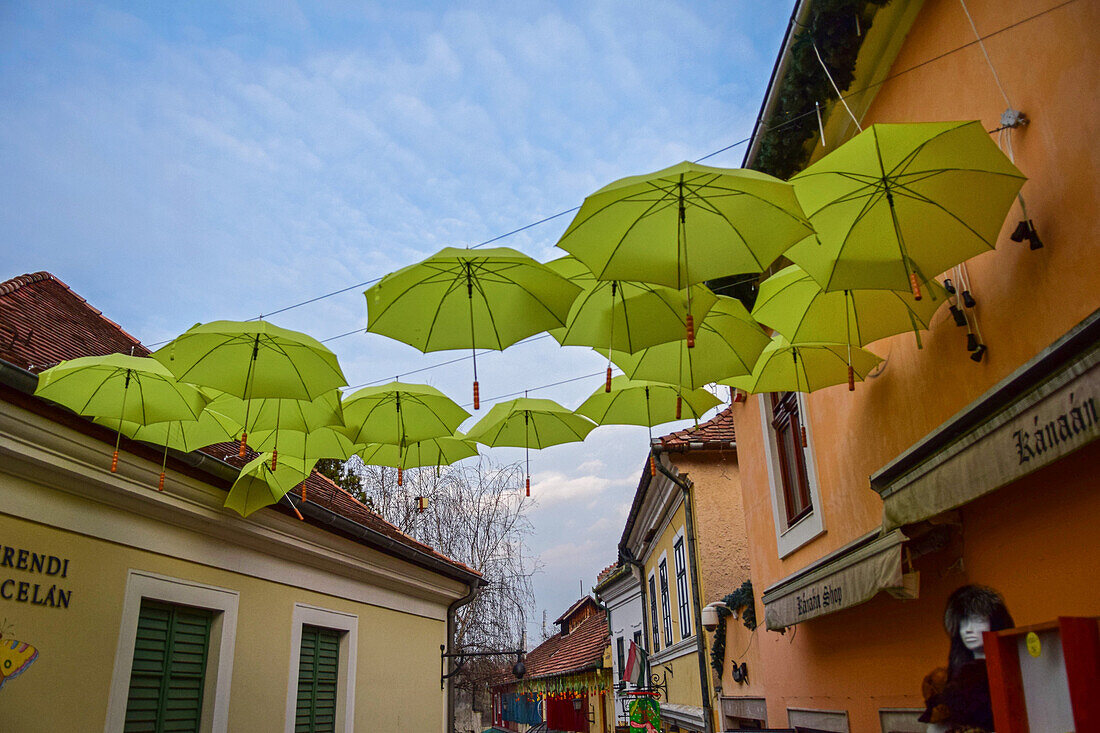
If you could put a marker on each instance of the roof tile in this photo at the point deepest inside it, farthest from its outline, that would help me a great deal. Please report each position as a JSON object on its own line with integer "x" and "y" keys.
{"x": 714, "y": 434}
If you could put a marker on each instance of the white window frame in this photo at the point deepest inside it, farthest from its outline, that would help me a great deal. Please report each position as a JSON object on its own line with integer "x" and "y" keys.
{"x": 682, "y": 602}
{"x": 141, "y": 584}
{"x": 653, "y": 590}
{"x": 811, "y": 526}
{"x": 348, "y": 626}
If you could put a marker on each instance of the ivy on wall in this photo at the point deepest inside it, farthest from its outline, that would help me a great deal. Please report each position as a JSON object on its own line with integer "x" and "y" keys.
{"x": 740, "y": 600}
{"x": 838, "y": 27}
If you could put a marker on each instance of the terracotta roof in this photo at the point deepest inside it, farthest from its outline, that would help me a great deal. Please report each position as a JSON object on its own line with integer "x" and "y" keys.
{"x": 581, "y": 649}
{"x": 603, "y": 574}
{"x": 43, "y": 322}
{"x": 714, "y": 434}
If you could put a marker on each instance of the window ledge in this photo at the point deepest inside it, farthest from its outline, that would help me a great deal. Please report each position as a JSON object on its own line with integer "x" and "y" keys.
{"x": 677, "y": 650}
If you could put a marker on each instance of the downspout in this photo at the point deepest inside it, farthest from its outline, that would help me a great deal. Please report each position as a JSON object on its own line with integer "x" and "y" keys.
{"x": 700, "y": 638}
{"x": 454, "y": 606}
{"x": 628, "y": 557}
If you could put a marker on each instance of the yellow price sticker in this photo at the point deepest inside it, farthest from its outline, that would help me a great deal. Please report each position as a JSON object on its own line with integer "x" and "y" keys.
{"x": 1034, "y": 646}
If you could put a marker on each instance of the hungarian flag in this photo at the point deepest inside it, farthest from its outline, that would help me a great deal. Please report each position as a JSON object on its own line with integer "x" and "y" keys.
{"x": 634, "y": 663}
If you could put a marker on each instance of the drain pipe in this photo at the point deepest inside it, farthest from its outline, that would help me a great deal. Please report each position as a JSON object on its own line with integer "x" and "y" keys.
{"x": 628, "y": 557}
{"x": 700, "y": 638}
{"x": 454, "y": 606}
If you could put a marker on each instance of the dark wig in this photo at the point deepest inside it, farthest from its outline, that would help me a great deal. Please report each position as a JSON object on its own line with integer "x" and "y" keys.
{"x": 972, "y": 600}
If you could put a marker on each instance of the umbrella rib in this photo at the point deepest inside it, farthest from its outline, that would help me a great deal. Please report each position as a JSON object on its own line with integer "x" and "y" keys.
{"x": 452, "y": 286}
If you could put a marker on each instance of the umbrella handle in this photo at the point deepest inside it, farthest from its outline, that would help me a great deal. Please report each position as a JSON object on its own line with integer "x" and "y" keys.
{"x": 607, "y": 385}
{"x": 244, "y": 445}
{"x": 274, "y": 458}
{"x": 114, "y": 462}
{"x": 915, "y": 285}
{"x": 851, "y": 379}
{"x": 803, "y": 430}
{"x": 652, "y": 465}
{"x": 303, "y": 494}
{"x": 690, "y": 331}
{"x": 400, "y": 476}
{"x": 679, "y": 406}
{"x": 477, "y": 397}
{"x": 160, "y": 486}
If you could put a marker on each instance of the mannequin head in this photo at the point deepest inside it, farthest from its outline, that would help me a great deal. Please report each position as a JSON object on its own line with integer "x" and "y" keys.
{"x": 971, "y": 610}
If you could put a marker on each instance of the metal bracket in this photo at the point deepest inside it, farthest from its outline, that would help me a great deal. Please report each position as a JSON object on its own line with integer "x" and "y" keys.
{"x": 463, "y": 657}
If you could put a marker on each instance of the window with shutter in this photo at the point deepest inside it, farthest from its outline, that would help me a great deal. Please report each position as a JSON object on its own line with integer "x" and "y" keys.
{"x": 666, "y": 608}
{"x": 169, "y": 669}
{"x": 318, "y": 669}
{"x": 654, "y": 627}
{"x": 684, "y": 604}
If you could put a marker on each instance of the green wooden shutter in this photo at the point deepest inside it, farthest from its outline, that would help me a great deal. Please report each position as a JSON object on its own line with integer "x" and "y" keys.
{"x": 169, "y": 669}
{"x": 318, "y": 667}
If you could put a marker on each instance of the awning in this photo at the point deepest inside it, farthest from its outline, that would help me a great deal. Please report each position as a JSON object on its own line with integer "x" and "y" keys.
{"x": 845, "y": 578}
{"x": 1039, "y": 414}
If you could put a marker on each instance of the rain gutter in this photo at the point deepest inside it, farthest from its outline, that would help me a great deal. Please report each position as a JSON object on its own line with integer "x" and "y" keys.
{"x": 700, "y": 637}
{"x": 798, "y": 17}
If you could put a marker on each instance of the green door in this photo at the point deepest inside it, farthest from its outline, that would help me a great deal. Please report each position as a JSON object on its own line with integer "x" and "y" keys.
{"x": 318, "y": 667}
{"x": 169, "y": 670}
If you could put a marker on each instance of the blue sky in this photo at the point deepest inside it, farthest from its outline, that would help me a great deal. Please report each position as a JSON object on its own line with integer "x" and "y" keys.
{"x": 177, "y": 163}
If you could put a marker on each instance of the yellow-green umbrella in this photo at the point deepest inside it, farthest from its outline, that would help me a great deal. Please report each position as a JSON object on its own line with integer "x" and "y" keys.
{"x": 469, "y": 299}
{"x": 259, "y": 485}
{"x": 253, "y": 359}
{"x": 727, "y": 344}
{"x": 638, "y": 402}
{"x": 625, "y": 316}
{"x": 793, "y": 303}
{"x": 530, "y": 423}
{"x": 430, "y": 452}
{"x": 786, "y": 367}
{"x": 400, "y": 414}
{"x": 130, "y": 388}
{"x": 900, "y": 203}
{"x": 685, "y": 224}
{"x": 328, "y": 442}
{"x": 273, "y": 416}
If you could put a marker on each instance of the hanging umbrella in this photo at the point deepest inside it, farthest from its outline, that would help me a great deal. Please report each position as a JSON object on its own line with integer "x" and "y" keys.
{"x": 530, "y": 423}
{"x": 252, "y": 359}
{"x": 899, "y": 204}
{"x": 469, "y": 299}
{"x": 792, "y": 302}
{"x": 330, "y": 442}
{"x": 274, "y": 416}
{"x": 259, "y": 485}
{"x": 625, "y": 316}
{"x": 685, "y": 224}
{"x": 786, "y": 367}
{"x": 638, "y": 402}
{"x": 130, "y": 388}
{"x": 400, "y": 414}
{"x": 727, "y": 344}
{"x": 430, "y": 452}
{"x": 183, "y": 435}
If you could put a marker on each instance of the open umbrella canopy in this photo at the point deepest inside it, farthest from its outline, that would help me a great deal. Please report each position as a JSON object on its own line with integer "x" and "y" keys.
{"x": 625, "y": 316}
{"x": 273, "y": 413}
{"x": 786, "y": 367}
{"x": 636, "y": 402}
{"x": 793, "y": 303}
{"x": 901, "y": 203}
{"x": 259, "y": 486}
{"x": 330, "y": 442}
{"x": 469, "y": 299}
{"x": 431, "y": 452}
{"x": 727, "y": 344}
{"x": 685, "y": 224}
{"x": 530, "y": 423}
{"x": 211, "y": 427}
{"x": 400, "y": 413}
{"x": 131, "y": 388}
{"x": 253, "y": 359}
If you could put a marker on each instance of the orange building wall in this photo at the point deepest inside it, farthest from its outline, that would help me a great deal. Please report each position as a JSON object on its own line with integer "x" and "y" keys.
{"x": 1026, "y": 300}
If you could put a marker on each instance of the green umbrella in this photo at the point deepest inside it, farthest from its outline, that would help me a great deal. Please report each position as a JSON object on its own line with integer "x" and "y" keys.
{"x": 183, "y": 435}
{"x": 469, "y": 299}
{"x": 901, "y": 203}
{"x": 400, "y": 414}
{"x": 330, "y": 442}
{"x": 625, "y": 316}
{"x": 637, "y": 402}
{"x": 530, "y": 423}
{"x": 786, "y": 367}
{"x": 792, "y": 302}
{"x": 280, "y": 415}
{"x": 685, "y": 224}
{"x": 130, "y": 388}
{"x": 727, "y": 344}
{"x": 430, "y": 452}
{"x": 259, "y": 485}
{"x": 253, "y": 359}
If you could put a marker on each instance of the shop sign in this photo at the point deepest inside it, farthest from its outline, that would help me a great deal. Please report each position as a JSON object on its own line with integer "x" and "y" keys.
{"x": 34, "y": 579}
